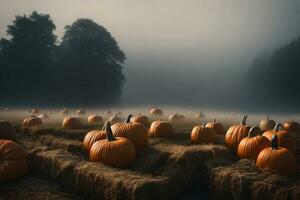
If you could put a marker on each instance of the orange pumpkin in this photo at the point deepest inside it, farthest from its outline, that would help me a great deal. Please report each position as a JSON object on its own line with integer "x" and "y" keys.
{"x": 72, "y": 123}
{"x": 236, "y": 133}
{"x": 217, "y": 126}
{"x": 141, "y": 119}
{"x": 7, "y": 131}
{"x": 95, "y": 119}
{"x": 156, "y": 111}
{"x": 277, "y": 158}
{"x": 133, "y": 131}
{"x": 80, "y": 111}
{"x": 13, "y": 162}
{"x": 32, "y": 121}
{"x": 114, "y": 119}
{"x": 285, "y": 138}
{"x": 252, "y": 145}
{"x": 161, "y": 129}
{"x": 92, "y": 137}
{"x": 202, "y": 134}
{"x": 267, "y": 124}
{"x": 117, "y": 152}
{"x": 35, "y": 111}
{"x": 291, "y": 126}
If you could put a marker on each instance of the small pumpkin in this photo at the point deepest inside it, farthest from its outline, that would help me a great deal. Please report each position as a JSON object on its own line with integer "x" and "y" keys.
{"x": 267, "y": 124}
{"x": 199, "y": 115}
{"x": 95, "y": 119}
{"x": 32, "y": 121}
{"x": 285, "y": 138}
{"x": 251, "y": 146}
{"x": 291, "y": 126}
{"x": 35, "y": 111}
{"x": 115, "y": 119}
{"x": 202, "y": 134}
{"x": 156, "y": 112}
{"x": 7, "y": 131}
{"x": 141, "y": 119}
{"x": 176, "y": 117}
{"x": 277, "y": 158}
{"x": 217, "y": 126}
{"x": 133, "y": 131}
{"x": 80, "y": 111}
{"x": 236, "y": 133}
{"x": 161, "y": 129}
{"x": 64, "y": 111}
{"x": 72, "y": 123}
{"x": 13, "y": 162}
{"x": 117, "y": 152}
{"x": 92, "y": 137}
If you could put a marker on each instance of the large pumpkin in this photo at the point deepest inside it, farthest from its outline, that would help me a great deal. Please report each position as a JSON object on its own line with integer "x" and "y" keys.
{"x": 72, "y": 123}
{"x": 251, "y": 146}
{"x": 133, "y": 131}
{"x": 267, "y": 124}
{"x": 95, "y": 119}
{"x": 277, "y": 158}
{"x": 7, "y": 131}
{"x": 285, "y": 138}
{"x": 114, "y": 119}
{"x": 141, "y": 119}
{"x": 291, "y": 126}
{"x": 92, "y": 137}
{"x": 32, "y": 121}
{"x": 117, "y": 152}
{"x": 156, "y": 112}
{"x": 236, "y": 133}
{"x": 161, "y": 129}
{"x": 217, "y": 126}
{"x": 12, "y": 161}
{"x": 203, "y": 134}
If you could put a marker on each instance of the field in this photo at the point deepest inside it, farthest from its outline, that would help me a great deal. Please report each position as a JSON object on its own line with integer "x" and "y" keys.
{"x": 170, "y": 168}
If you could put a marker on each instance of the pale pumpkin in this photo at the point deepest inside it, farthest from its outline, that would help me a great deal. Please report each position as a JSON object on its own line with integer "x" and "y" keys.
{"x": 156, "y": 112}
{"x": 267, "y": 124}
{"x": 114, "y": 119}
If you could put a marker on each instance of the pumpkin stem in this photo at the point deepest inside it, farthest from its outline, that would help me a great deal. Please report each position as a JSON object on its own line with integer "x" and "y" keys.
{"x": 214, "y": 121}
{"x": 276, "y": 127}
{"x": 109, "y": 133}
{"x": 128, "y": 118}
{"x": 243, "y": 120}
{"x": 252, "y": 131}
{"x": 274, "y": 141}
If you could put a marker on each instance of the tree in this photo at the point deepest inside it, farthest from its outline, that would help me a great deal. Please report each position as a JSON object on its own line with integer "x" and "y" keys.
{"x": 26, "y": 58}
{"x": 90, "y": 63}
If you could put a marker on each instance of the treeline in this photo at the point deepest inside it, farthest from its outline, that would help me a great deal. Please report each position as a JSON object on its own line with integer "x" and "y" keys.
{"x": 273, "y": 80}
{"x": 85, "y": 68}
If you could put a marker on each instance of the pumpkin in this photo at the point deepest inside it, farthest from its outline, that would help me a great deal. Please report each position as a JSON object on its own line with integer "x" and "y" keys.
{"x": 217, "y": 126}
{"x": 114, "y": 119}
{"x": 267, "y": 124}
{"x": 156, "y": 111}
{"x": 43, "y": 116}
{"x": 117, "y": 152}
{"x": 95, "y": 119}
{"x": 251, "y": 146}
{"x": 202, "y": 134}
{"x": 80, "y": 111}
{"x": 64, "y": 111}
{"x": 285, "y": 138}
{"x": 35, "y": 111}
{"x": 161, "y": 129}
{"x": 133, "y": 131}
{"x": 141, "y": 119}
{"x": 32, "y": 121}
{"x": 13, "y": 162}
{"x": 175, "y": 117}
{"x": 92, "y": 137}
{"x": 277, "y": 158}
{"x": 72, "y": 123}
{"x": 199, "y": 115}
{"x": 291, "y": 126}
{"x": 7, "y": 131}
{"x": 236, "y": 133}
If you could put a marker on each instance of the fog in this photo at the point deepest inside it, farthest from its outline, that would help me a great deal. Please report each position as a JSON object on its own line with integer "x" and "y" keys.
{"x": 178, "y": 52}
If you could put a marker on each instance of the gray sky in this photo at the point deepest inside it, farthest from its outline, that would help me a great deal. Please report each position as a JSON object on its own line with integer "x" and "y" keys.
{"x": 178, "y": 36}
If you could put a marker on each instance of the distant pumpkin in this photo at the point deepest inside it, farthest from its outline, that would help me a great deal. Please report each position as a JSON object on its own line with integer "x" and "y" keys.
{"x": 95, "y": 119}
{"x": 7, "y": 131}
{"x": 236, "y": 133}
{"x": 114, "y": 119}
{"x": 32, "y": 121}
{"x": 64, "y": 111}
{"x": 35, "y": 111}
{"x": 80, "y": 112}
{"x": 133, "y": 131}
{"x": 277, "y": 158}
{"x": 72, "y": 123}
{"x": 202, "y": 134}
{"x": 267, "y": 124}
{"x": 291, "y": 126}
{"x": 161, "y": 129}
{"x": 156, "y": 112}
{"x": 141, "y": 119}
{"x": 199, "y": 115}
{"x": 285, "y": 138}
{"x": 217, "y": 126}
{"x": 176, "y": 117}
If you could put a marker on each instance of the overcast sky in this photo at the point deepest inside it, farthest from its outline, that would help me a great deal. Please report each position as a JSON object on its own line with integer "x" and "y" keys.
{"x": 193, "y": 35}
